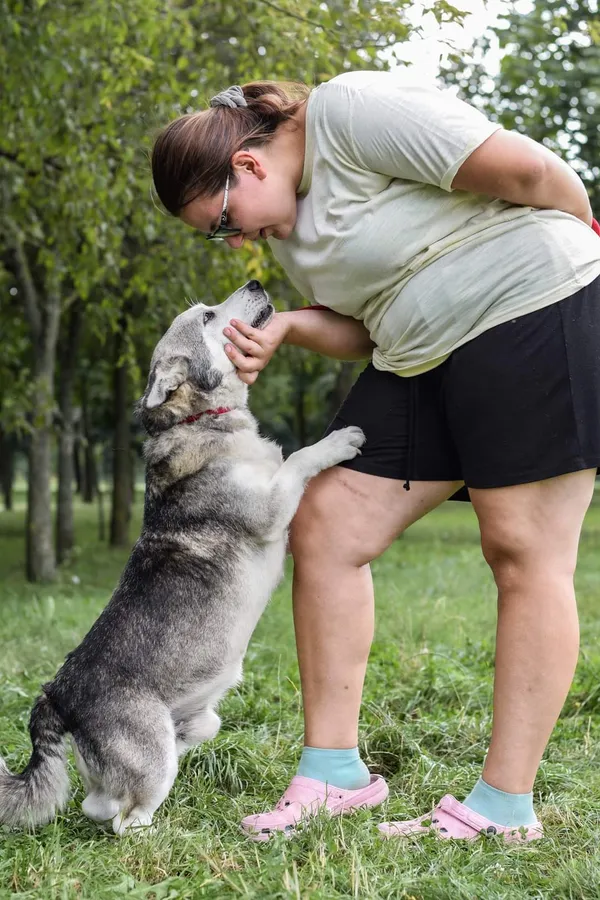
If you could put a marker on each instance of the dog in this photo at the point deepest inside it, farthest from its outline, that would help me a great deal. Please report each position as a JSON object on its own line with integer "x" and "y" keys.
{"x": 142, "y": 686}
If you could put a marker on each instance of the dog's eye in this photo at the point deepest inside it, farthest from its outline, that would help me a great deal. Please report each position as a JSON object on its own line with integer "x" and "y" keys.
{"x": 208, "y": 316}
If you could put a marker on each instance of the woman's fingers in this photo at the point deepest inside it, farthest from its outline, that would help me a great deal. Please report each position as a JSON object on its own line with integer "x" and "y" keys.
{"x": 247, "y": 367}
{"x": 248, "y": 377}
{"x": 246, "y": 345}
{"x": 250, "y": 349}
{"x": 252, "y": 334}
{"x": 241, "y": 361}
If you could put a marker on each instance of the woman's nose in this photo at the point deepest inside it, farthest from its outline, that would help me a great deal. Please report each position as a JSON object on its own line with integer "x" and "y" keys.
{"x": 236, "y": 241}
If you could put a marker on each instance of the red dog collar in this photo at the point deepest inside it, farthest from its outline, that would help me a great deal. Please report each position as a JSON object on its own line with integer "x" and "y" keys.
{"x": 207, "y": 412}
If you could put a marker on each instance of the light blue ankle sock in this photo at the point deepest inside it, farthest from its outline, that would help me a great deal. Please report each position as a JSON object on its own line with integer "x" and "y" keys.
{"x": 500, "y": 807}
{"x": 340, "y": 768}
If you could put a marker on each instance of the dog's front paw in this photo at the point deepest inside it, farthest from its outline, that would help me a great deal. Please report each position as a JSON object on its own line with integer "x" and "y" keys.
{"x": 341, "y": 445}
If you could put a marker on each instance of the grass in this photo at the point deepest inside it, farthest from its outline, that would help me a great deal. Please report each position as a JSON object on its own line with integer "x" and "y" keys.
{"x": 425, "y": 725}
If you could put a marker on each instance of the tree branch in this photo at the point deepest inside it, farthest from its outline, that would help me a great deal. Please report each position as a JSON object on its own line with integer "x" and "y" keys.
{"x": 299, "y": 18}
{"x": 377, "y": 44}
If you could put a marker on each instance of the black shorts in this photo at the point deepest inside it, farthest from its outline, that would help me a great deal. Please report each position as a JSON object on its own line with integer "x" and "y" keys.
{"x": 519, "y": 403}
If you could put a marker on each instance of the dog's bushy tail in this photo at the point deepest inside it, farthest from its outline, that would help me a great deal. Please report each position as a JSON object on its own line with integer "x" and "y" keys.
{"x": 34, "y": 796}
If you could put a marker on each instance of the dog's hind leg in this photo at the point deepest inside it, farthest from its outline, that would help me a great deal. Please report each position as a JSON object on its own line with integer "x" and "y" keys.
{"x": 148, "y": 795}
{"x": 128, "y": 759}
{"x": 98, "y": 805}
{"x": 191, "y": 731}
{"x": 147, "y": 759}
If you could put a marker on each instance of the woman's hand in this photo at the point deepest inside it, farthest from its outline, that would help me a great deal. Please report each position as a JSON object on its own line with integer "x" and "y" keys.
{"x": 252, "y": 348}
{"x": 314, "y": 328}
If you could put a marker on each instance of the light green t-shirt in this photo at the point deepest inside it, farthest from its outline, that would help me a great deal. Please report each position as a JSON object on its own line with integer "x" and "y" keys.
{"x": 381, "y": 236}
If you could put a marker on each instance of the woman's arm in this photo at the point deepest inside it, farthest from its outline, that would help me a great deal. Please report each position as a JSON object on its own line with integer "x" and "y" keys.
{"x": 327, "y": 332}
{"x": 320, "y": 330}
{"x": 512, "y": 167}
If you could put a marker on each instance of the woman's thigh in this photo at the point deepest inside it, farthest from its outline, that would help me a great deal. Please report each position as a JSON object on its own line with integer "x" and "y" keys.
{"x": 352, "y": 517}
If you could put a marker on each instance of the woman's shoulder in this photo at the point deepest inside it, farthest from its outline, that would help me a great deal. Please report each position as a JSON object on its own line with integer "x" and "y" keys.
{"x": 333, "y": 101}
{"x": 359, "y": 105}
{"x": 374, "y": 96}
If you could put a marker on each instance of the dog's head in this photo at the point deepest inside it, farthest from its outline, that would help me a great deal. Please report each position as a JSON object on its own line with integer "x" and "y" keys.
{"x": 190, "y": 371}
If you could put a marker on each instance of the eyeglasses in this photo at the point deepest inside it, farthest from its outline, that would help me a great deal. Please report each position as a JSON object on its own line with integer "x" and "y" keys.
{"x": 222, "y": 230}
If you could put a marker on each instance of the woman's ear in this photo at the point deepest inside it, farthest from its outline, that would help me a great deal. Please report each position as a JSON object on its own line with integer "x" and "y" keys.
{"x": 250, "y": 162}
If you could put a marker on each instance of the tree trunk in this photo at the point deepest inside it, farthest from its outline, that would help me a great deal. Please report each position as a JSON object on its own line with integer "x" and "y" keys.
{"x": 66, "y": 442}
{"x": 42, "y": 308}
{"x": 88, "y": 463}
{"x": 77, "y": 447}
{"x": 121, "y": 493}
{"x": 41, "y": 560}
{"x": 41, "y": 563}
{"x": 8, "y": 446}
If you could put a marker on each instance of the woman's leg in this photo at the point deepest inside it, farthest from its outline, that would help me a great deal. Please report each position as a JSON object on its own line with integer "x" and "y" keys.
{"x": 530, "y": 536}
{"x": 346, "y": 519}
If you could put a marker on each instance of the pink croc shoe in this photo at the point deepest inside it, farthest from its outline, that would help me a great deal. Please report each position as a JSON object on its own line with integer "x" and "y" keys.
{"x": 452, "y": 819}
{"x": 304, "y": 798}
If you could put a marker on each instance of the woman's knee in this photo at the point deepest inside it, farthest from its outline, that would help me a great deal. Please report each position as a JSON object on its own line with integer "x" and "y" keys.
{"x": 525, "y": 555}
{"x": 532, "y": 530}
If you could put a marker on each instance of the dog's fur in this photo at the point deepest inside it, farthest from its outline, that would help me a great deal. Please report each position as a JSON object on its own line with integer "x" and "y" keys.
{"x": 142, "y": 686}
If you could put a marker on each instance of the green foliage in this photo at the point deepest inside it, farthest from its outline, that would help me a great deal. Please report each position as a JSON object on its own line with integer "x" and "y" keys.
{"x": 14, "y": 371}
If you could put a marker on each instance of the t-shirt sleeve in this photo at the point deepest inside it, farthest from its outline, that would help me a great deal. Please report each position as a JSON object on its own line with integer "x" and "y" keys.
{"x": 415, "y": 132}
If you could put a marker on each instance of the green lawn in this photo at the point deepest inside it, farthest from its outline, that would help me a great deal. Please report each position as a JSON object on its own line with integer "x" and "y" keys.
{"x": 426, "y": 719}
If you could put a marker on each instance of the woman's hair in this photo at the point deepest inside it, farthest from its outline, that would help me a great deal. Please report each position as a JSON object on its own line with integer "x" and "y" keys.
{"x": 191, "y": 157}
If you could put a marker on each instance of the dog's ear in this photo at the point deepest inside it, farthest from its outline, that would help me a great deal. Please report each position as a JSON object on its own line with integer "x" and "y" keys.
{"x": 166, "y": 376}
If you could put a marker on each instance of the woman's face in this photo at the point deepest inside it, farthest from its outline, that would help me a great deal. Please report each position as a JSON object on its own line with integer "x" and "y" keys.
{"x": 262, "y": 199}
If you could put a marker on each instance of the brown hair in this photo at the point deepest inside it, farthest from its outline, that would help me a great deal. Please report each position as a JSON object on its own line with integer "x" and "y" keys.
{"x": 191, "y": 156}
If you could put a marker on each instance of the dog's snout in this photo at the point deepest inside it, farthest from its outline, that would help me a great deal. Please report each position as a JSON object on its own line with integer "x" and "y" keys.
{"x": 254, "y": 285}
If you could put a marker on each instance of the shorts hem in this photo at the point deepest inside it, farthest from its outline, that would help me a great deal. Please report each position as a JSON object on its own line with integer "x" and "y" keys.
{"x": 577, "y": 464}
{"x": 360, "y": 465}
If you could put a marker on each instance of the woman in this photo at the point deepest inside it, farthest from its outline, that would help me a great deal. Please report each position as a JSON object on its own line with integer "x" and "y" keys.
{"x": 461, "y": 256}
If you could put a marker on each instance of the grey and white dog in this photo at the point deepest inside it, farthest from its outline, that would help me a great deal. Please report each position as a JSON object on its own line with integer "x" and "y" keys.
{"x": 142, "y": 686}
